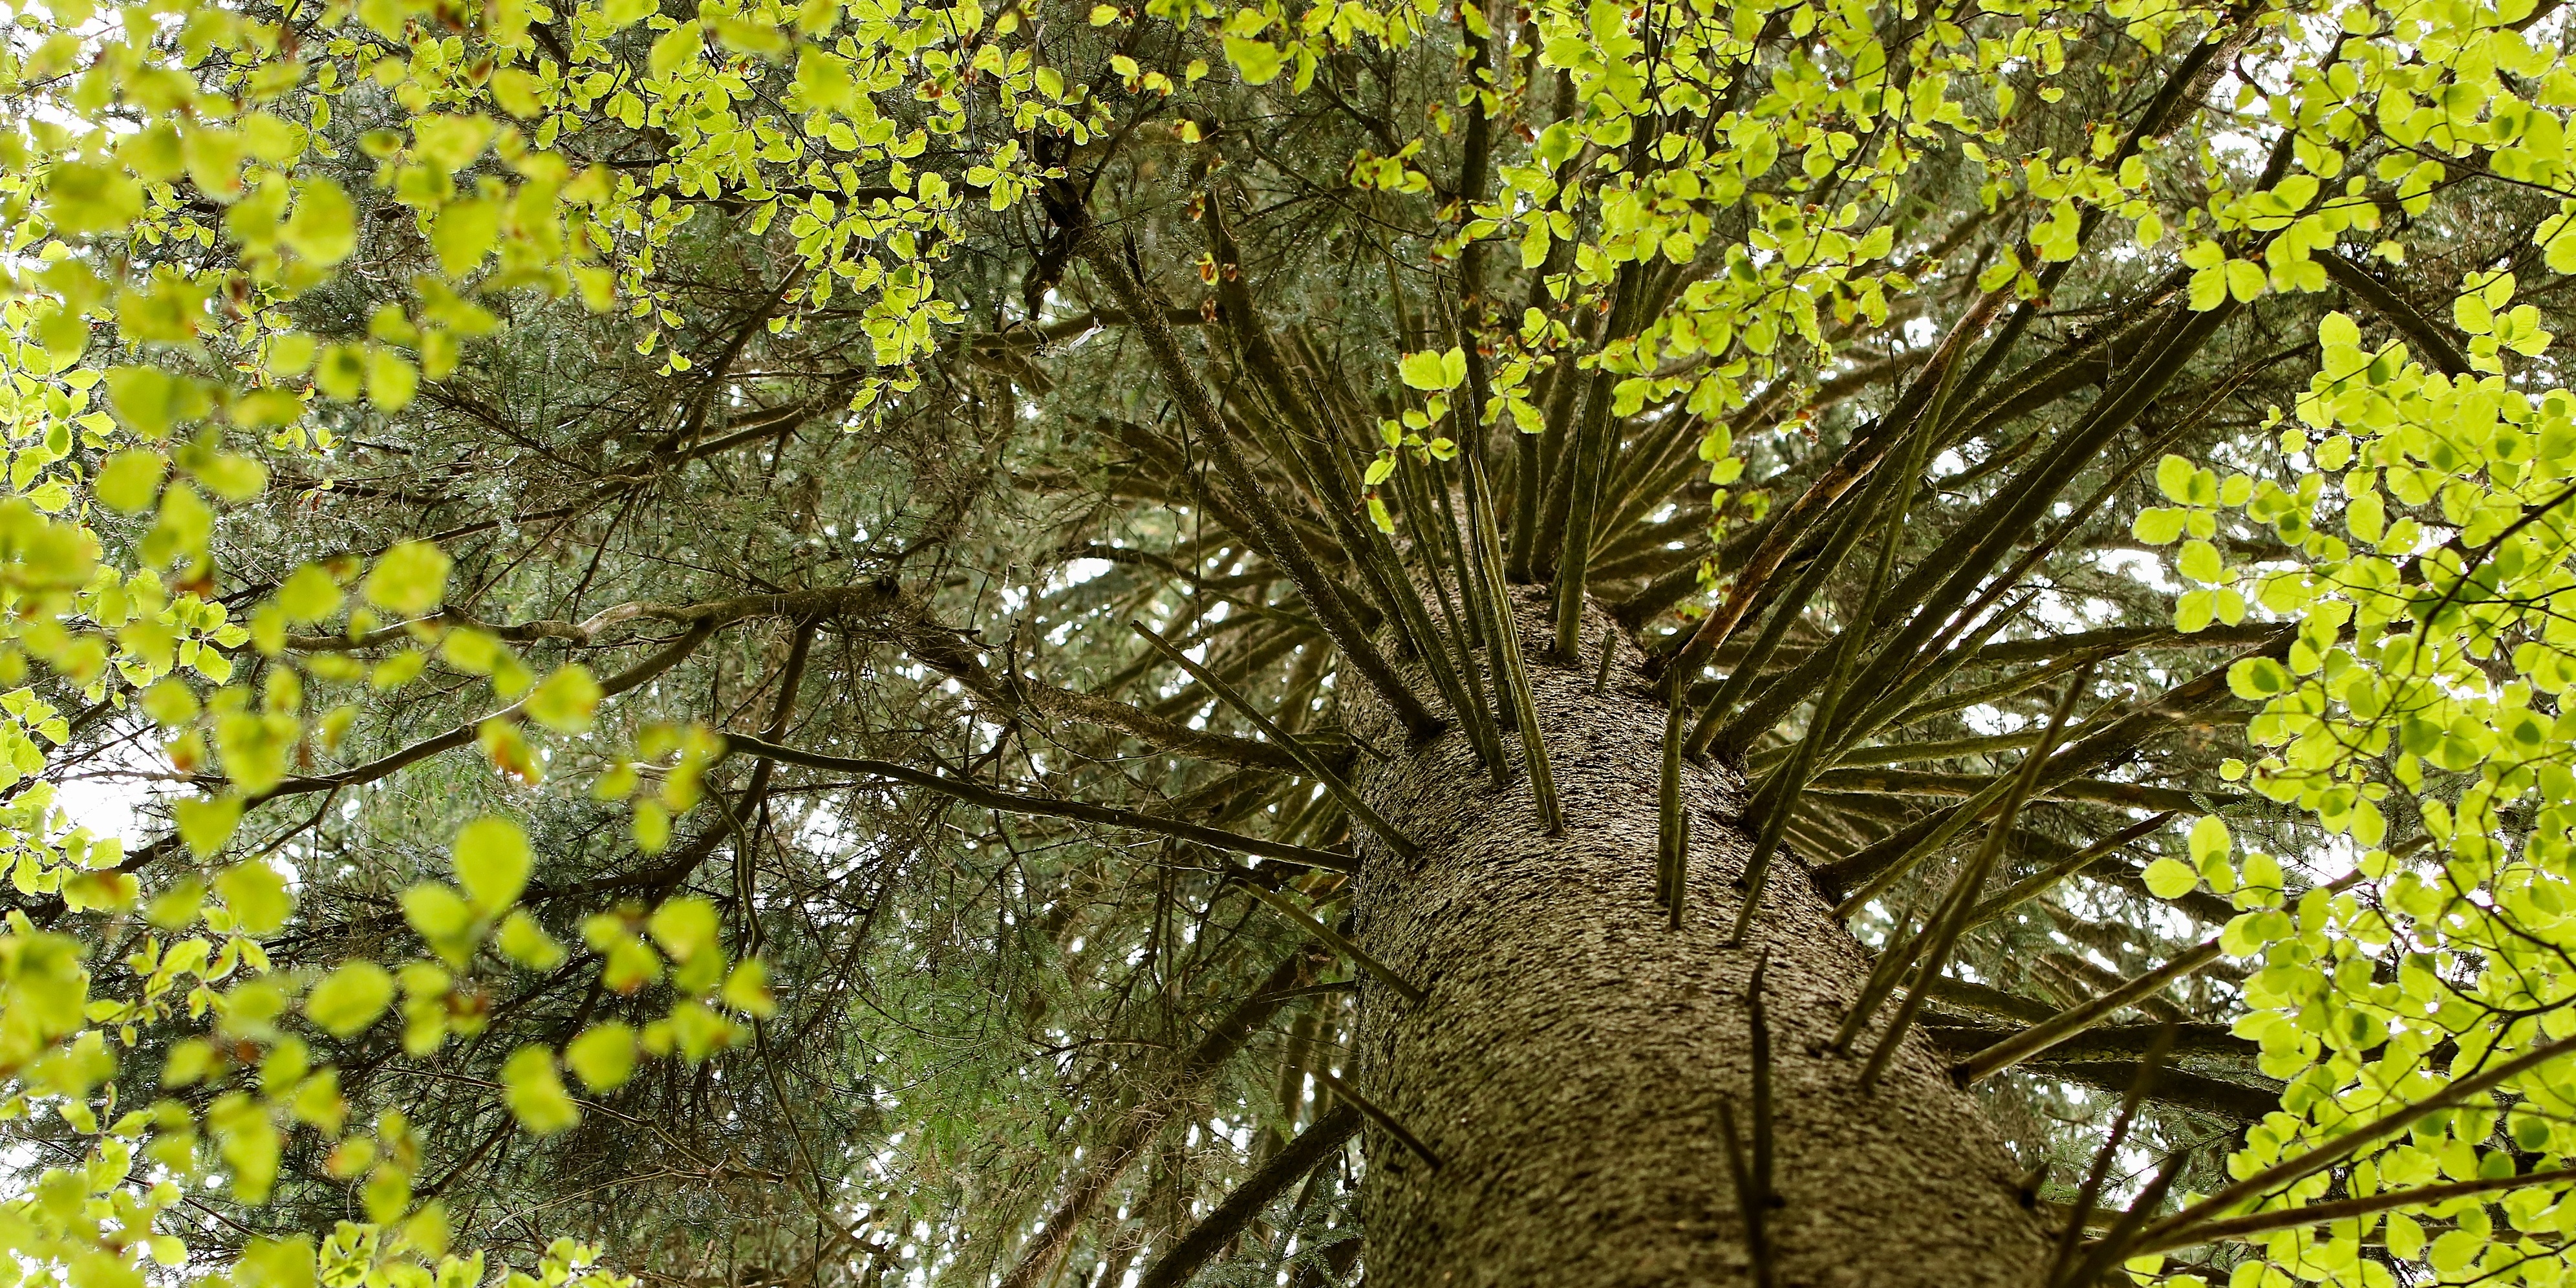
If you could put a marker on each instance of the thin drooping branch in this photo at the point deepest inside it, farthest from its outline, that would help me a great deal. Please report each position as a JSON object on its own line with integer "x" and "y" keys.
{"x": 1939, "y": 937}
{"x": 2261, "y": 1223}
{"x": 1330, "y": 938}
{"x": 1223, "y": 1223}
{"x": 1018, "y": 803}
{"x": 2076, "y": 1019}
{"x": 2039, "y": 883}
{"x": 2070, "y": 1242}
{"x": 1137, "y": 1129}
{"x": 879, "y": 609}
{"x": 1952, "y": 575}
{"x": 1894, "y": 494}
{"x": 1871, "y": 870}
{"x": 2099, "y": 791}
{"x": 1858, "y": 461}
{"x": 2211, "y": 1040}
{"x": 2459, "y": 1091}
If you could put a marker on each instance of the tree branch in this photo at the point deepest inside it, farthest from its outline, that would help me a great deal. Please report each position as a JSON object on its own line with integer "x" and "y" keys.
{"x": 1015, "y": 803}
{"x": 1285, "y": 1168}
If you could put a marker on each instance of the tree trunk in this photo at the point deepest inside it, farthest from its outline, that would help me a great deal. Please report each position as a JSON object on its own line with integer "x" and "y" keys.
{"x": 1568, "y": 1067}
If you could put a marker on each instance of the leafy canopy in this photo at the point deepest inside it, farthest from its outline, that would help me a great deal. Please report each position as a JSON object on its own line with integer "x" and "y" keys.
{"x": 317, "y": 316}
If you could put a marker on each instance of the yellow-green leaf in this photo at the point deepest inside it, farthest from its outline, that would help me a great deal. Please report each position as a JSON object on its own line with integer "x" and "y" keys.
{"x": 492, "y": 863}
{"x": 350, "y": 998}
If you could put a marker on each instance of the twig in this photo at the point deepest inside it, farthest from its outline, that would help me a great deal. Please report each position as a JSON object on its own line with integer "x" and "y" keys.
{"x": 1306, "y": 757}
{"x": 1758, "y": 1020}
{"x": 1331, "y": 938}
{"x": 1672, "y": 825}
{"x": 1015, "y": 803}
{"x": 2260, "y": 1223}
{"x": 1228, "y": 1219}
{"x": 1516, "y": 668}
{"x": 2029, "y": 888}
{"x": 1942, "y": 935}
{"x": 1270, "y": 527}
{"x": 1750, "y": 1199}
{"x": 2040, "y": 1037}
{"x": 1378, "y": 1116}
{"x": 2067, "y": 1023}
{"x": 1896, "y": 493}
{"x": 2108, "y": 1251}
{"x": 2072, "y": 1241}
{"x": 2382, "y": 1128}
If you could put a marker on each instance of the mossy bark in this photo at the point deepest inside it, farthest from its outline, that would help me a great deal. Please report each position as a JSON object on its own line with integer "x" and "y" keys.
{"x": 1568, "y": 1066}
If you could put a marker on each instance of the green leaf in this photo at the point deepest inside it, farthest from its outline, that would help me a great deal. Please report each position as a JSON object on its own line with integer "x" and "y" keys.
{"x": 2158, "y": 525}
{"x": 154, "y": 402}
{"x": 1258, "y": 61}
{"x": 1431, "y": 370}
{"x": 2245, "y": 280}
{"x": 492, "y": 863}
{"x": 2258, "y": 677}
{"x": 256, "y": 894}
{"x": 2199, "y": 561}
{"x": 2209, "y": 839}
{"x": 129, "y": 480}
{"x": 230, "y": 475}
{"x": 515, "y": 89}
{"x": 2208, "y": 289}
{"x": 442, "y": 919}
{"x": 309, "y": 595}
{"x": 324, "y": 227}
{"x": 171, "y": 703}
{"x": 566, "y": 701}
{"x": 2338, "y": 329}
{"x": 206, "y": 822}
{"x": 463, "y": 233}
{"x": 685, "y": 927}
{"x": 603, "y": 1057}
{"x": 676, "y": 48}
{"x": 2171, "y": 878}
{"x": 2405, "y": 1237}
{"x": 535, "y": 1092}
{"x": 2455, "y": 1252}
{"x": 350, "y": 998}
{"x": 276, "y": 1263}
{"x": 523, "y": 941}
{"x": 409, "y": 579}
{"x": 2173, "y": 477}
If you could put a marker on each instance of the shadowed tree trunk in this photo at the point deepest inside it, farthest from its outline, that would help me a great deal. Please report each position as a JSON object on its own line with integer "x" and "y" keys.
{"x": 1568, "y": 1067}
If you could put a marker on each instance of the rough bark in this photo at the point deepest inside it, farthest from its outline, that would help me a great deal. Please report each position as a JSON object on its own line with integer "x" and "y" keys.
{"x": 1568, "y": 1065}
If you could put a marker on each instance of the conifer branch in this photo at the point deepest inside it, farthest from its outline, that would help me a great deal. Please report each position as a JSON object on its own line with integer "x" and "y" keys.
{"x": 2074, "y": 1020}
{"x": 1941, "y": 934}
{"x": 1514, "y": 674}
{"x": 1238, "y": 1209}
{"x": 2070, "y": 1243}
{"x": 1269, "y": 527}
{"x": 1331, "y": 938}
{"x": 1343, "y": 1090}
{"x": 1306, "y": 758}
{"x": 1017, "y": 803}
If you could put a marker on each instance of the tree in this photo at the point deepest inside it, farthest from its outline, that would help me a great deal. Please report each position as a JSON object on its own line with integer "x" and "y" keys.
{"x": 866, "y": 643}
